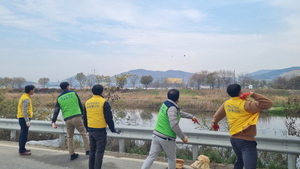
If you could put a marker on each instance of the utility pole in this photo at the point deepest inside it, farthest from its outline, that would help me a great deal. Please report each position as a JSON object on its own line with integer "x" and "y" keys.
{"x": 233, "y": 76}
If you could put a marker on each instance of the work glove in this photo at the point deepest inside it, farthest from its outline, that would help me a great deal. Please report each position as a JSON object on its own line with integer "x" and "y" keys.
{"x": 54, "y": 125}
{"x": 185, "y": 140}
{"x": 118, "y": 131}
{"x": 245, "y": 95}
{"x": 194, "y": 119}
{"x": 28, "y": 123}
{"x": 215, "y": 127}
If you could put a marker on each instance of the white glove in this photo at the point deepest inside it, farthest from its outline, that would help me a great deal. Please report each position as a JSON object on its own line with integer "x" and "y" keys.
{"x": 28, "y": 123}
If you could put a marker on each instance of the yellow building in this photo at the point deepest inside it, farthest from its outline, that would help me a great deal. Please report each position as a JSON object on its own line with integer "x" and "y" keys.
{"x": 174, "y": 80}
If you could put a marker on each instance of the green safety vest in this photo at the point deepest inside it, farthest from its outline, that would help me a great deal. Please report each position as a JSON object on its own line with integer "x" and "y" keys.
{"x": 163, "y": 124}
{"x": 69, "y": 104}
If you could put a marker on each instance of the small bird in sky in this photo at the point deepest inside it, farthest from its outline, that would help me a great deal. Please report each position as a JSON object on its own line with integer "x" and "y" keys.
{"x": 183, "y": 55}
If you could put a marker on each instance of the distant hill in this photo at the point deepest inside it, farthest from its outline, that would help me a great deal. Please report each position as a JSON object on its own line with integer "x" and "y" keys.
{"x": 268, "y": 75}
{"x": 272, "y": 74}
{"x": 161, "y": 74}
{"x": 260, "y": 72}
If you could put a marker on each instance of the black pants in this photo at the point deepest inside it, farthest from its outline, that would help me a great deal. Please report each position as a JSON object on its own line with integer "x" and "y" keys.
{"x": 246, "y": 153}
{"x": 97, "y": 147}
{"x": 23, "y": 135}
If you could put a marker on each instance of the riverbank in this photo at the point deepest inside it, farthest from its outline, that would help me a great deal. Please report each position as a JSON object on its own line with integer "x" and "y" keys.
{"x": 203, "y": 100}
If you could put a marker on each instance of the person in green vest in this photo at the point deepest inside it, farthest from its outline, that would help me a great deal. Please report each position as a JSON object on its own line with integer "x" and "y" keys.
{"x": 97, "y": 116}
{"x": 242, "y": 116}
{"x": 71, "y": 107}
{"x": 24, "y": 116}
{"x": 167, "y": 129}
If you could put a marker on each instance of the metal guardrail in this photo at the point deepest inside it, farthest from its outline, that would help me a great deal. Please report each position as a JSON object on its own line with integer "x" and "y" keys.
{"x": 289, "y": 144}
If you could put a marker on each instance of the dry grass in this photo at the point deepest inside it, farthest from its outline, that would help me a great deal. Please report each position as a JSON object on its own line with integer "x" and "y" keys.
{"x": 205, "y": 100}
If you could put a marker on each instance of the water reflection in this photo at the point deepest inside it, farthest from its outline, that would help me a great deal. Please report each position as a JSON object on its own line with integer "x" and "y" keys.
{"x": 267, "y": 125}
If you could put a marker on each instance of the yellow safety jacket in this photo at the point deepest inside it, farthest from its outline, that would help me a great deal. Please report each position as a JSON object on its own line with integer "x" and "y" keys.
{"x": 20, "y": 106}
{"x": 238, "y": 118}
{"x": 95, "y": 112}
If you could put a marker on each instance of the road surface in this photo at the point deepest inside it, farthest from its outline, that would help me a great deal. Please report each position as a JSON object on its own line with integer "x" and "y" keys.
{"x": 49, "y": 158}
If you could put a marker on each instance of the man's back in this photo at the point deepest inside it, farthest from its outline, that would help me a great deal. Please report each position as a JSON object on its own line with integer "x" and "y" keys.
{"x": 69, "y": 104}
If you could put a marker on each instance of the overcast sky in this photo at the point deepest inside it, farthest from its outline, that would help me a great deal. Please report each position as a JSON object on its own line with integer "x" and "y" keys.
{"x": 60, "y": 38}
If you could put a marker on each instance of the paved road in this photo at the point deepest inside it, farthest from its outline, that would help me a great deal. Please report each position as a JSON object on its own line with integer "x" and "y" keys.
{"x": 47, "y": 158}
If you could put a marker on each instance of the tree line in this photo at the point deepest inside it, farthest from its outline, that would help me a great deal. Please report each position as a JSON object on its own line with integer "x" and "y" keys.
{"x": 212, "y": 80}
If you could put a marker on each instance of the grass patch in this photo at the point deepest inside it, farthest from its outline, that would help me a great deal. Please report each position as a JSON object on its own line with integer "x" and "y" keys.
{"x": 277, "y": 111}
{"x": 188, "y": 92}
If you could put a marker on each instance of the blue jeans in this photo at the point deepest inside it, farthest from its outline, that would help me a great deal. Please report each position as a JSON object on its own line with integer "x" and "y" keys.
{"x": 23, "y": 135}
{"x": 246, "y": 153}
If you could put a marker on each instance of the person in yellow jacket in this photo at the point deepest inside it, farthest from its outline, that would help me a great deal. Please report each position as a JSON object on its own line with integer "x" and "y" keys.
{"x": 97, "y": 115}
{"x": 24, "y": 116}
{"x": 242, "y": 116}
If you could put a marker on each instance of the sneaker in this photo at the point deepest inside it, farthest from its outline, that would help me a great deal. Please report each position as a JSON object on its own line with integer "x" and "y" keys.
{"x": 25, "y": 153}
{"x": 74, "y": 156}
{"x": 87, "y": 153}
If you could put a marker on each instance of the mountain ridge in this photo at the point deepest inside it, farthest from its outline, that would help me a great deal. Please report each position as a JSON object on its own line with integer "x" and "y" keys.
{"x": 267, "y": 74}
{"x": 271, "y": 75}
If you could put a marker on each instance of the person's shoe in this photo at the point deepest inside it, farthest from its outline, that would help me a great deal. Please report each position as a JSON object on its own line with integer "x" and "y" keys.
{"x": 87, "y": 153}
{"x": 27, "y": 150}
{"x": 25, "y": 153}
{"x": 74, "y": 156}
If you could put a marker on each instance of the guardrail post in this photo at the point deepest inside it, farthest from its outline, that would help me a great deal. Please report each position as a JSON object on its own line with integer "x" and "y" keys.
{"x": 122, "y": 145}
{"x": 292, "y": 161}
{"x": 13, "y": 135}
{"x": 62, "y": 140}
{"x": 195, "y": 152}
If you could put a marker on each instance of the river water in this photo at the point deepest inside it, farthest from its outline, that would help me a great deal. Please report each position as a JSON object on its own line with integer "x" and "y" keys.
{"x": 267, "y": 125}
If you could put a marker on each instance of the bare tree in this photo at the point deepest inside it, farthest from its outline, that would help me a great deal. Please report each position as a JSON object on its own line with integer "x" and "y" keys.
{"x": 91, "y": 80}
{"x": 146, "y": 80}
{"x": 6, "y": 81}
{"x": 227, "y": 76}
{"x": 103, "y": 80}
{"x": 107, "y": 80}
{"x": 211, "y": 79}
{"x": 43, "y": 81}
{"x": 262, "y": 83}
{"x": 156, "y": 84}
{"x": 163, "y": 82}
{"x": 219, "y": 81}
{"x": 255, "y": 83}
{"x": 81, "y": 78}
{"x": 99, "y": 79}
{"x": 18, "y": 81}
{"x": 244, "y": 80}
{"x": 199, "y": 78}
{"x": 294, "y": 83}
{"x": 280, "y": 83}
{"x": 133, "y": 79}
{"x": 71, "y": 81}
{"x": 121, "y": 80}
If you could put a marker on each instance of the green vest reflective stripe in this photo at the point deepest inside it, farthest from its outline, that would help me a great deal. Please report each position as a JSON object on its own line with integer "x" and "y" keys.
{"x": 20, "y": 106}
{"x": 95, "y": 112}
{"x": 69, "y": 104}
{"x": 237, "y": 117}
{"x": 163, "y": 124}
